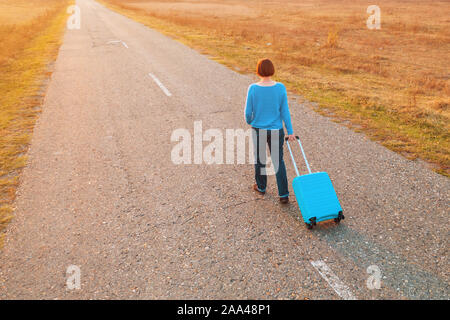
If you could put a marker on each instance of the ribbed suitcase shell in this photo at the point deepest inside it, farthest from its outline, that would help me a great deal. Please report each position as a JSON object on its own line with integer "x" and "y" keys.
{"x": 316, "y": 197}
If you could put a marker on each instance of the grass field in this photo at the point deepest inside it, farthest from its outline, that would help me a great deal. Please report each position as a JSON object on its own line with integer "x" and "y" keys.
{"x": 30, "y": 34}
{"x": 392, "y": 84}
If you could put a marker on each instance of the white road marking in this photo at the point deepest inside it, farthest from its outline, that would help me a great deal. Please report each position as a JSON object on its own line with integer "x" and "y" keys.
{"x": 338, "y": 286}
{"x": 164, "y": 89}
{"x": 117, "y": 41}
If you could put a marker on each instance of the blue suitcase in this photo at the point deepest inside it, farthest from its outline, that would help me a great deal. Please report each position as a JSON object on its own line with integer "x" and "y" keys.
{"x": 315, "y": 194}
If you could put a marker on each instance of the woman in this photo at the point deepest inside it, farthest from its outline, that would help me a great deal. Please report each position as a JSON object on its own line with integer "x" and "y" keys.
{"x": 266, "y": 109}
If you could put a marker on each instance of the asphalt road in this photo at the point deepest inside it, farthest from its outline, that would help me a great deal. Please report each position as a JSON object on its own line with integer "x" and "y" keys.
{"x": 100, "y": 191}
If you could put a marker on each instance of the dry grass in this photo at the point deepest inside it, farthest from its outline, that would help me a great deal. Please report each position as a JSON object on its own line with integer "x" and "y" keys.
{"x": 393, "y": 83}
{"x": 30, "y": 33}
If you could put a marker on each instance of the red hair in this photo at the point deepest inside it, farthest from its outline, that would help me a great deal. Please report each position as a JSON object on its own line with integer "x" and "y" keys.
{"x": 265, "y": 68}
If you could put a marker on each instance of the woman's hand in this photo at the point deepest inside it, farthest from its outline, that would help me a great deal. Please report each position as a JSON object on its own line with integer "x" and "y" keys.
{"x": 291, "y": 137}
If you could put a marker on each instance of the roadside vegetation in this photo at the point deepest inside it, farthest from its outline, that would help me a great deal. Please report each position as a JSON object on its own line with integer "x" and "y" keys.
{"x": 392, "y": 84}
{"x": 30, "y": 35}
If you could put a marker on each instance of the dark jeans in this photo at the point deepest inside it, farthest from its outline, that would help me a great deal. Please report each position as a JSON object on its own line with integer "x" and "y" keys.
{"x": 275, "y": 140}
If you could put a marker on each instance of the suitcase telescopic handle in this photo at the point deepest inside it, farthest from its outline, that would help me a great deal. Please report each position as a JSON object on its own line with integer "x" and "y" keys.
{"x": 292, "y": 155}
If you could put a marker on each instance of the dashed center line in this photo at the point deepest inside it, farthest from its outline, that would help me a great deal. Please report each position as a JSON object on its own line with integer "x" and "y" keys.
{"x": 164, "y": 89}
{"x": 338, "y": 286}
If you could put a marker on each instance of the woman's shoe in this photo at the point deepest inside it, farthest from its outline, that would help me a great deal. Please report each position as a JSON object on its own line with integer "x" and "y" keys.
{"x": 255, "y": 187}
{"x": 284, "y": 200}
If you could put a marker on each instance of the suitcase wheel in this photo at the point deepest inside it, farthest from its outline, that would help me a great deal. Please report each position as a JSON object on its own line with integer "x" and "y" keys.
{"x": 312, "y": 223}
{"x": 339, "y": 217}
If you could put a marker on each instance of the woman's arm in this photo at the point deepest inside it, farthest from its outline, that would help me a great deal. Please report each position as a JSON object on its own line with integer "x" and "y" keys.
{"x": 285, "y": 114}
{"x": 249, "y": 106}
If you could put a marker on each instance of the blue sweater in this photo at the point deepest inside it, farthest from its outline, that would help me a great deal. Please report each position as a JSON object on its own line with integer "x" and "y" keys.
{"x": 267, "y": 107}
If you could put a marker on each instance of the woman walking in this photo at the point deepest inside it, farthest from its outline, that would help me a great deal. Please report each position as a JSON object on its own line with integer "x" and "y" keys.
{"x": 266, "y": 109}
